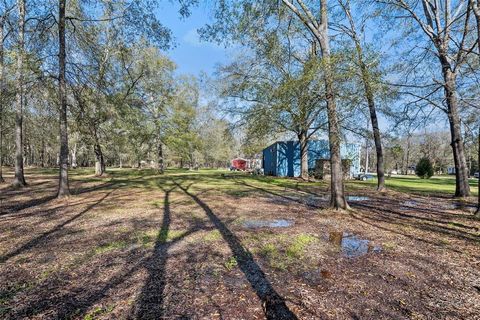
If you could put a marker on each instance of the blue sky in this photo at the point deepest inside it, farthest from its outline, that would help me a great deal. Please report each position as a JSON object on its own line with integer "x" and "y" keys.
{"x": 191, "y": 55}
{"x": 194, "y": 56}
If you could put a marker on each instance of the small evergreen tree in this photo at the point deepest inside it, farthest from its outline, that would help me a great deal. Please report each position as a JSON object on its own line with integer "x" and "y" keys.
{"x": 424, "y": 168}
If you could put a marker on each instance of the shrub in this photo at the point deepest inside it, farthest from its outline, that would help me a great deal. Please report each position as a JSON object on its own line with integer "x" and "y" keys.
{"x": 424, "y": 168}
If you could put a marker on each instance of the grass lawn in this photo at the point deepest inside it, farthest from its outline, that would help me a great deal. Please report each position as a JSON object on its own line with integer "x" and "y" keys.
{"x": 437, "y": 185}
{"x": 213, "y": 244}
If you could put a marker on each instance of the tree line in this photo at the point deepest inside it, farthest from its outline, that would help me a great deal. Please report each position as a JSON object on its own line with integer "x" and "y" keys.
{"x": 86, "y": 83}
{"x": 93, "y": 71}
{"x": 330, "y": 65}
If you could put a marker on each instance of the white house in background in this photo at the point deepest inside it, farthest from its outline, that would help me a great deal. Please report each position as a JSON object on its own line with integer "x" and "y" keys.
{"x": 451, "y": 170}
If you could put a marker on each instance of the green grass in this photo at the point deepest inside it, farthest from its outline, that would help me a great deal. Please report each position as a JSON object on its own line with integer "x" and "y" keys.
{"x": 413, "y": 184}
{"x": 237, "y": 184}
{"x": 297, "y": 248}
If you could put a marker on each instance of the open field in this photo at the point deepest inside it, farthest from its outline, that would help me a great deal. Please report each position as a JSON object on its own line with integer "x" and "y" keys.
{"x": 220, "y": 245}
{"x": 437, "y": 185}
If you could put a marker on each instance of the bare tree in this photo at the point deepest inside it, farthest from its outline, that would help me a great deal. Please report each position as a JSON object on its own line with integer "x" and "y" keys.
{"x": 366, "y": 79}
{"x": 319, "y": 29}
{"x": 447, "y": 31}
{"x": 19, "y": 180}
{"x": 63, "y": 188}
{"x": 2, "y": 87}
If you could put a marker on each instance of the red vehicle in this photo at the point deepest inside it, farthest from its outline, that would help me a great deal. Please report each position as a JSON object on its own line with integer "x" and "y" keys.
{"x": 238, "y": 164}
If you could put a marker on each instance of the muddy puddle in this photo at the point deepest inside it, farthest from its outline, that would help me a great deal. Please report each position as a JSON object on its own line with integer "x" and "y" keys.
{"x": 409, "y": 205}
{"x": 350, "y": 245}
{"x": 357, "y": 198}
{"x": 278, "y": 223}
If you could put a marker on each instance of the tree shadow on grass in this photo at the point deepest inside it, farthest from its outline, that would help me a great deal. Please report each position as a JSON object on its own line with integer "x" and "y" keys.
{"x": 274, "y": 304}
{"x": 150, "y": 303}
{"x": 42, "y": 237}
{"x": 77, "y": 301}
{"x": 443, "y": 228}
{"x": 280, "y": 195}
{"x": 17, "y": 207}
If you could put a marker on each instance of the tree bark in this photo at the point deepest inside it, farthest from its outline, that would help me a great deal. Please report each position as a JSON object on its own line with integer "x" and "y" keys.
{"x": 303, "y": 155}
{"x": 367, "y": 85}
{"x": 99, "y": 160}
{"x": 320, "y": 31}
{"x": 19, "y": 180}
{"x": 477, "y": 213}
{"x": 160, "y": 163}
{"x": 2, "y": 96}
{"x": 63, "y": 188}
{"x": 367, "y": 160}
{"x": 74, "y": 156}
{"x": 407, "y": 159}
{"x": 42, "y": 154}
{"x": 338, "y": 199}
{"x": 462, "y": 188}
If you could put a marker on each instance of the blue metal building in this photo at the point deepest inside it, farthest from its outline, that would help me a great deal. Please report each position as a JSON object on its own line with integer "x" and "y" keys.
{"x": 283, "y": 157}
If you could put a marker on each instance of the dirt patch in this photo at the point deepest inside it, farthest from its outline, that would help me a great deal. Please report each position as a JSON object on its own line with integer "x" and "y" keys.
{"x": 141, "y": 245}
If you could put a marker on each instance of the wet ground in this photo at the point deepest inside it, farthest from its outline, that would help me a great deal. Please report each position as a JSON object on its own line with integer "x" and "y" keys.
{"x": 136, "y": 245}
{"x": 279, "y": 223}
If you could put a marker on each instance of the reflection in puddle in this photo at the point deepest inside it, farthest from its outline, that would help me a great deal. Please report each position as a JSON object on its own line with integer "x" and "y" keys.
{"x": 357, "y": 198}
{"x": 350, "y": 245}
{"x": 279, "y": 223}
{"x": 410, "y": 203}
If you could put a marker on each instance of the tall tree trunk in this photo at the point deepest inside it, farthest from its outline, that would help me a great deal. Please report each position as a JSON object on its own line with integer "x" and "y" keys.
{"x": 320, "y": 31}
{"x": 2, "y": 180}
{"x": 407, "y": 158}
{"x": 303, "y": 155}
{"x": 367, "y": 85}
{"x": 42, "y": 154}
{"x": 2, "y": 96}
{"x": 63, "y": 188}
{"x": 74, "y": 156}
{"x": 338, "y": 199}
{"x": 99, "y": 160}
{"x": 160, "y": 163}
{"x": 19, "y": 180}
{"x": 462, "y": 188}
{"x": 477, "y": 213}
{"x": 366, "y": 155}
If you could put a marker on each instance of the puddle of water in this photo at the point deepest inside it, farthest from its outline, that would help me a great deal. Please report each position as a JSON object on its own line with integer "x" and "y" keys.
{"x": 410, "y": 203}
{"x": 279, "y": 223}
{"x": 357, "y": 198}
{"x": 350, "y": 245}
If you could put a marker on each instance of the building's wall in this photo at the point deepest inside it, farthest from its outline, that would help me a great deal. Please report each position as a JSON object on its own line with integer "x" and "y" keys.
{"x": 288, "y": 159}
{"x": 270, "y": 160}
{"x": 283, "y": 157}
